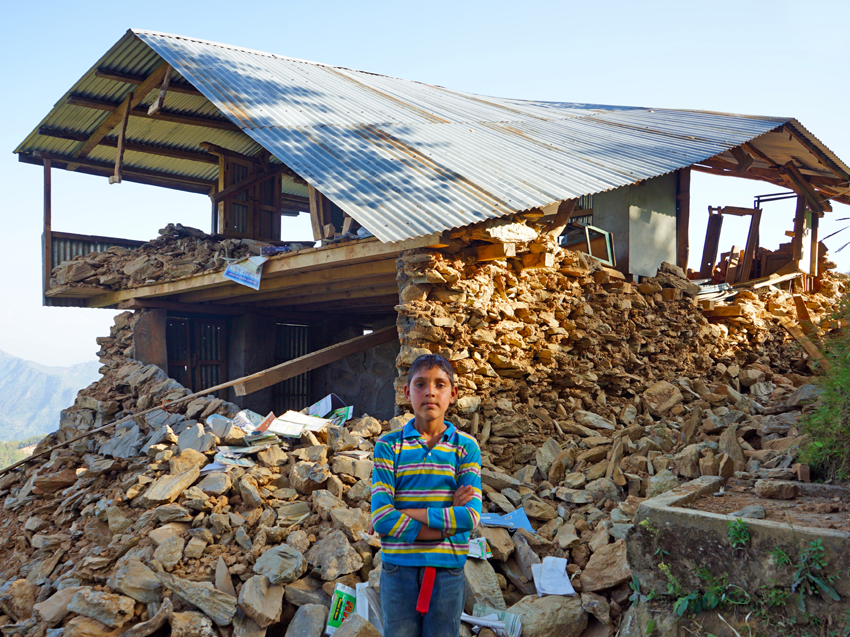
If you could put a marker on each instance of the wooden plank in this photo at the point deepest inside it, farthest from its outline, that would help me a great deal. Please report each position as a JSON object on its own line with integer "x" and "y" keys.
{"x": 122, "y": 133}
{"x": 562, "y": 217}
{"x": 339, "y": 295}
{"x": 131, "y": 101}
{"x": 735, "y": 258}
{"x": 751, "y": 247}
{"x": 799, "y": 184}
{"x": 803, "y": 317}
{"x": 806, "y": 344}
{"x": 706, "y": 304}
{"x": 307, "y": 291}
{"x": 137, "y": 147}
{"x": 163, "y": 115}
{"x": 47, "y": 240}
{"x": 342, "y": 254}
{"x": 129, "y": 78}
{"x": 712, "y": 243}
{"x": 538, "y": 260}
{"x": 317, "y": 278}
{"x": 683, "y": 217}
{"x": 303, "y": 364}
{"x": 736, "y": 211}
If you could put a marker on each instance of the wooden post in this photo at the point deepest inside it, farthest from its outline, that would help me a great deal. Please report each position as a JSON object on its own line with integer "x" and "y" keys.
{"x": 799, "y": 228}
{"x": 751, "y": 247}
{"x": 46, "y": 239}
{"x": 320, "y": 214}
{"x": 712, "y": 243}
{"x": 683, "y": 217}
{"x": 122, "y": 133}
{"x": 815, "y": 252}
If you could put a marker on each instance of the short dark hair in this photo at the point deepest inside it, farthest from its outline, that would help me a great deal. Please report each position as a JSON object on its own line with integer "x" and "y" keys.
{"x": 430, "y": 361}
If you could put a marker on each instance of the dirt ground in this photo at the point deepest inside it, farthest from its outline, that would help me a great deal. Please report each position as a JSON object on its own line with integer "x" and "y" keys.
{"x": 825, "y": 513}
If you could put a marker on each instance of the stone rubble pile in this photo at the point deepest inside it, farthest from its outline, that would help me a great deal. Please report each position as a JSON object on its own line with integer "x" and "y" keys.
{"x": 588, "y": 394}
{"x": 178, "y": 252}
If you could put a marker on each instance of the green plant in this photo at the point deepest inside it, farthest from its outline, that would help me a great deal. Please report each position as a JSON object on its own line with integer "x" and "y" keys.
{"x": 810, "y": 575}
{"x": 776, "y": 596}
{"x": 738, "y": 532}
{"x": 780, "y": 558}
{"x": 828, "y": 424}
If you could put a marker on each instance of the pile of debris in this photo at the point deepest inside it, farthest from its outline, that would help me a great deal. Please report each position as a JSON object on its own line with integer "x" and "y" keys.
{"x": 178, "y": 252}
{"x": 122, "y": 529}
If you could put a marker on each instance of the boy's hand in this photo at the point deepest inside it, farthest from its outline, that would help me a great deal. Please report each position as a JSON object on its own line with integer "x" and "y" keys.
{"x": 462, "y": 496}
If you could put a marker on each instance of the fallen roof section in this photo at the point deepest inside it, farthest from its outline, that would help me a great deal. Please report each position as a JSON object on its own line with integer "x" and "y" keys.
{"x": 406, "y": 159}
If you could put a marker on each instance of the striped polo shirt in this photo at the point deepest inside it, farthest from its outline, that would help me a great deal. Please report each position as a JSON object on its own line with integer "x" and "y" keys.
{"x": 409, "y": 475}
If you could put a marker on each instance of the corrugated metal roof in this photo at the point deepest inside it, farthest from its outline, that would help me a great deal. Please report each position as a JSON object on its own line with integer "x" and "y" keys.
{"x": 407, "y": 159}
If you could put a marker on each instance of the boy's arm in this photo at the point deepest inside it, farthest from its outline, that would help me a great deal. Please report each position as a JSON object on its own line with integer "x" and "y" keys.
{"x": 461, "y": 519}
{"x": 385, "y": 518}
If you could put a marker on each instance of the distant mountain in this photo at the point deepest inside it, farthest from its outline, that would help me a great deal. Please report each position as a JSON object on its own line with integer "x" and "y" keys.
{"x": 32, "y": 395}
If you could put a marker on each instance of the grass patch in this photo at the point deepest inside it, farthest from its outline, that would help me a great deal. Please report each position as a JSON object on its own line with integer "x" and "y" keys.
{"x": 829, "y": 425}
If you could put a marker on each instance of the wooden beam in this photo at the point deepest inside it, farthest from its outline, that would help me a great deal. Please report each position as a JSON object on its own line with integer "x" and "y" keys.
{"x": 724, "y": 311}
{"x": 249, "y": 181}
{"x": 28, "y": 158}
{"x": 129, "y": 78}
{"x": 494, "y": 251}
{"x": 308, "y": 260}
{"x": 736, "y": 211}
{"x": 712, "y": 243}
{"x": 292, "y": 204}
{"x": 814, "y": 253}
{"x": 221, "y": 151}
{"x": 159, "y": 102}
{"x": 306, "y": 292}
{"x": 136, "y": 147}
{"x": 762, "y": 174}
{"x": 799, "y": 228}
{"x": 807, "y": 344}
{"x": 303, "y": 364}
{"x": 744, "y": 159}
{"x": 162, "y": 115}
{"x": 751, "y": 247}
{"x": 318, "y": 278}
{"x": 798, "y": 183}
{"x": 755, "y": 152}
{"x": 804, "y": 319}
{"x": 822, "y": 158}
{"x": 320, "y": 212}
{"x": 225, "y": 310}
{"x": 108, "y": 168}
{"x": 374, "y": 305}
{"x": 47, "y": 239}
{"x": 122, "y": 134}
{"x": 562, "y": 217}
{"x": 683, "y": 217}
{"x": 130, "y": 102}
{"x": 355, "y": 293}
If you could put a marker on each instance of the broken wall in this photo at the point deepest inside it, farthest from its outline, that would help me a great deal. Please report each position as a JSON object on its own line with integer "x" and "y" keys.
{"x": 642, "y": 219}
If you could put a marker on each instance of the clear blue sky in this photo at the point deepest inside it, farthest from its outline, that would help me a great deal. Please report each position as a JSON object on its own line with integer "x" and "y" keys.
{"x": 765, "y": 58}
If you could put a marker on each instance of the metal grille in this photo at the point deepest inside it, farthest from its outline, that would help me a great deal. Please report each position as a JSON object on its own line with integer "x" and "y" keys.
{"x": 292, "y": 341}
{"x": 585, "y": 202}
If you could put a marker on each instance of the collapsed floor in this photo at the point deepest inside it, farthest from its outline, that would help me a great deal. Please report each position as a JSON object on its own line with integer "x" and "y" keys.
{"x": 587, "y": 393}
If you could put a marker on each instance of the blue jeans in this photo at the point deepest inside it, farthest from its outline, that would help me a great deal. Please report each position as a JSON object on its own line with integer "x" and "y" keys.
{"x": 399, "y": 592}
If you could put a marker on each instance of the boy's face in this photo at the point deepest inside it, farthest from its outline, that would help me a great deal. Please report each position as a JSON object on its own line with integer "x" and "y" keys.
{"x": 430, "y": 392}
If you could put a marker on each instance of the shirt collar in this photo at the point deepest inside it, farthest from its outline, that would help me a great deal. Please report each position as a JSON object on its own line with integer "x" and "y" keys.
{"x": 410, "y": 431}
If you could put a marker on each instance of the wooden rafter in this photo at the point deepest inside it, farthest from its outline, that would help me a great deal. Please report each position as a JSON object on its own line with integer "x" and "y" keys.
{"x": 799, "y": 184}
{"x": 138, "y": 147}
{"x": 163, "y": 115}
{"x": 130, "y": 102}
{"x": 122, "y": 134}
{"x": 823, "y": 160}
{"x": 129, "y": 78}
{"x": 744, "y": 159}
{"x": 215, "y": 149}
{"x": 108, "y": 168}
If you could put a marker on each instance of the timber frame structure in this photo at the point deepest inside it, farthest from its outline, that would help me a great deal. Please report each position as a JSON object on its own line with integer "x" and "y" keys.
{"x": 417, "y": 167}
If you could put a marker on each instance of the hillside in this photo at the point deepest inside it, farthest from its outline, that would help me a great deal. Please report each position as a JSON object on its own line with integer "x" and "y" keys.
{"x": 32, "y": 395}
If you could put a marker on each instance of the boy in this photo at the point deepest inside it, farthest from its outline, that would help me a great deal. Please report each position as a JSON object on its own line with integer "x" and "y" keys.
{"x": 426, "y": 499}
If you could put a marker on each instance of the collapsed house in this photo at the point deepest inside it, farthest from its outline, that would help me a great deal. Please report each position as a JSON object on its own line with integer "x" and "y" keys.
{"x": 541, "y": 247}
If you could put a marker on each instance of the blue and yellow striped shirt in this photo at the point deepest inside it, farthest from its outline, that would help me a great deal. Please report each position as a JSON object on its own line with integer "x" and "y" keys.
{"x": 409, "y": 475}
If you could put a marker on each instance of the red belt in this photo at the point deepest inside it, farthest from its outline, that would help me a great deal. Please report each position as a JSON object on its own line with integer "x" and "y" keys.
{"x": 424, "y": 601}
